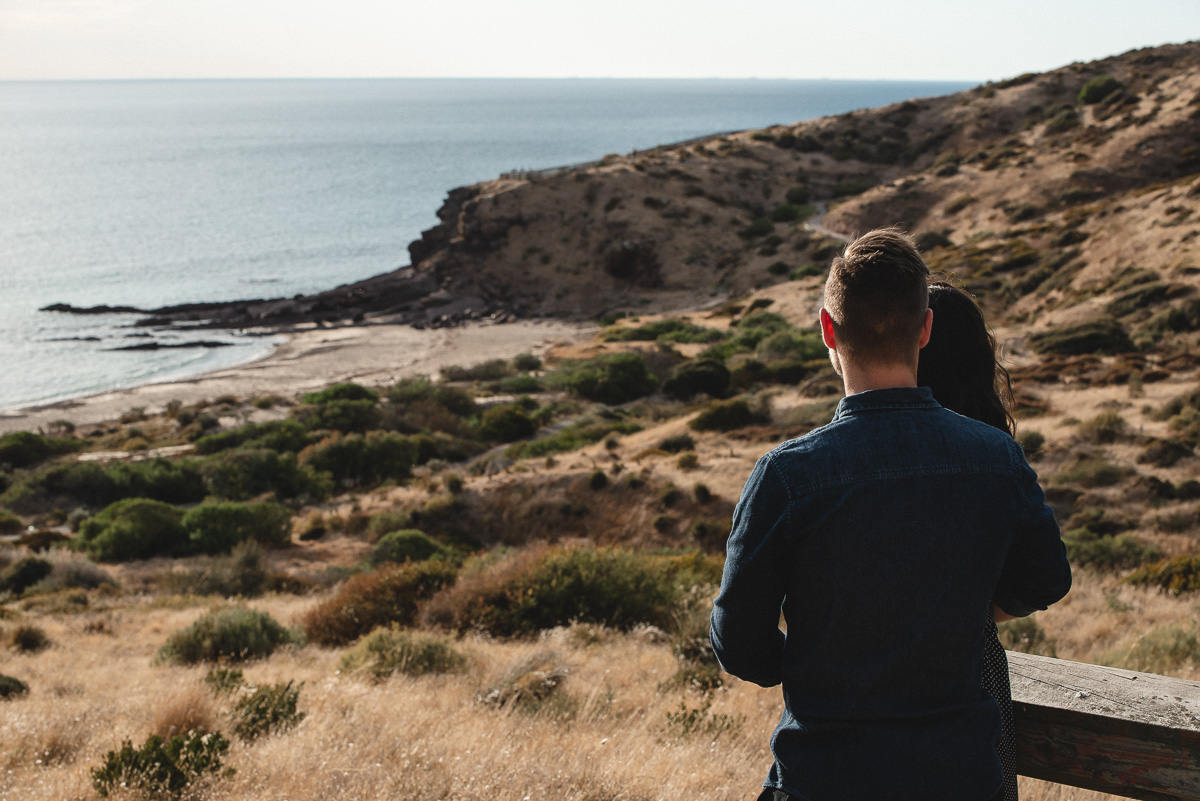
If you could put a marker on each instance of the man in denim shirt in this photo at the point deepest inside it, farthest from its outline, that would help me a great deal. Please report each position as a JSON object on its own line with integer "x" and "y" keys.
{"x": 884, "y": 537}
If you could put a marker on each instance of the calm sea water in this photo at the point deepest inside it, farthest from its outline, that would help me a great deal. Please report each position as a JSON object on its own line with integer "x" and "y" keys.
{"x": 150, "y": 193}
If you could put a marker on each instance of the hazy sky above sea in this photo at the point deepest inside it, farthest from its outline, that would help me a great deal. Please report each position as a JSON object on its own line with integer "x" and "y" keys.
{"x": 864, "y": 39}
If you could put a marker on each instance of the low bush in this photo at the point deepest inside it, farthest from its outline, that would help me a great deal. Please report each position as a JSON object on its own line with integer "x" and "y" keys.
{"x": 224, "y": 681}
{"x": 161, "y": 767}
{"x": 797, "y": 195}
{"x": 1025, "y": 635}
{"x": 356, "y": 459}
{"x": 391, "y": 650}
{"x": 22, "y": 449}
{"x": 517, "y": 385}
{"x": 347, "y": 391}
{"x": 598, "y": 480}
{"x": 267, "y": 710}
{"x": 492, "y": 370}
{"x": 406, "y": 545}
{"x": 611, "y": 379}
{"x": 724, "y": 416}
{"x": 526, "y": 362}
{"x": 677, "y": 443}
{"x": 1166, "y": 648}
{"x": 536, "y": 589}
{"x": 1098, "y": 89}
{"x": 23, "y": 574}
{"x": 1178, "y": 575}
{"x": 532, "y": 686}
{"x": 1107, "y": 552}
{"x": 218, "y": 526}
{"x": 1094, "y": 336}
{"x": 454, "y": 400}
{"x": 1164, "y": 452}
{"x": 76, "y": 574}
{"x": 95, "y": 485}
{"x": 1031, "y": 442}
{"x": 1093, "y": 471}
{"x": 244, "y": 473}
{"x": 234, "y": 634}
{"x": 792, "y": 212}
{"x": 135, "y": 528}
{"x": 851, "y": 187}
{"x": 809, "y": 270}
{"x": 759, "y": 226}
{"x": 241, "y": 574}
{"x": 379, "y": 598}
{"x": 699, "y": 375}
{"x": 29, "y": 639}
{"x": 11, "y": 688}
{"x": 340, "y": 415}
{"x": 277, "y": 435}
{"x": 670, "y": 329}
{"x": 571, "y": 438}
{"x": 10, "y": 523}
{"x": 1104, "y": 428}
{"x": 506, "y": 423}
{"x": 932, "y": 240}
{"x": 1062, "y": 121}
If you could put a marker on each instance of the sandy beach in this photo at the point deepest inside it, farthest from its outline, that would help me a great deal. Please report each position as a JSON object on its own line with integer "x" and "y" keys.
{"x": 369, "y": 354}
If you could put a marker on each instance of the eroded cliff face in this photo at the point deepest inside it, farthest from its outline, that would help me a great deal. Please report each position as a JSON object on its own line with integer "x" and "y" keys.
{"x": 1049, "y": 208}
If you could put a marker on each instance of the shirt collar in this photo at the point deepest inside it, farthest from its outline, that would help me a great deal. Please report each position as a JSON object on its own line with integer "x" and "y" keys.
{"x": 881, "y": 399}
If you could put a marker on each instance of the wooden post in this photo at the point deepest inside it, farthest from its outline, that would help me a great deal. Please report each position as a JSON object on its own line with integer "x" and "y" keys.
{"x": 1115, "y": 731}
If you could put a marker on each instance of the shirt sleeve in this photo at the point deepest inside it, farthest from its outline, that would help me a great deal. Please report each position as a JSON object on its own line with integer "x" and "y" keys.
{"x": 745, "y": 631}
{"x": 1036, "y": 572}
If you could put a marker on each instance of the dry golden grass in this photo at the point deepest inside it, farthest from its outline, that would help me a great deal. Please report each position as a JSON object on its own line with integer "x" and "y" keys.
{"x": 430, "y": 737}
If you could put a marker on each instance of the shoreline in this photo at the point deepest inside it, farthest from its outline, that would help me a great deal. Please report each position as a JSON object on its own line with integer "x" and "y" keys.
{"x": 306, "y": 360}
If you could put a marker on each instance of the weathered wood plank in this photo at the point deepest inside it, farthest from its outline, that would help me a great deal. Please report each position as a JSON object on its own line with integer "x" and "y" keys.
{"x": 1116, "y": 731}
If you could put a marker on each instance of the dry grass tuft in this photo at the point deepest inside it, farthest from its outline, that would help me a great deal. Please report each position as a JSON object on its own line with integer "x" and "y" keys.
{"x": 190, "y": 710}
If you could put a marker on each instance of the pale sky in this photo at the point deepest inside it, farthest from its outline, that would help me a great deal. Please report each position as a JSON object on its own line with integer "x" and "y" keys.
{"x": 972, "y": 40}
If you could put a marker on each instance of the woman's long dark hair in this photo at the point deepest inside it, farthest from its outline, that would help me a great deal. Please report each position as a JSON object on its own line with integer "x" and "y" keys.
{"x": 959, "y": 364}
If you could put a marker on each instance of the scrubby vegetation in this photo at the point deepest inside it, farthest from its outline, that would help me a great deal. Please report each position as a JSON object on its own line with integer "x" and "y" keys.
{"x": 234, "y": 634}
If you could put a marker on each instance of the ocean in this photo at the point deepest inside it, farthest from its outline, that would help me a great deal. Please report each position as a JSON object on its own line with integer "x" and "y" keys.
{"x": 150, "y": 193}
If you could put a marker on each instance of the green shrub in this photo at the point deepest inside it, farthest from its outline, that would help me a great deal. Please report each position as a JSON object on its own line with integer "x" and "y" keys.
{"x": 161, "y": 767}
{"x": 244, "y": 473}
{"x": 1107, "y": 552}
{"x": 699, "y": 375}
{"x": 778, "y": 268}
{"x": 243, "y": 573}
{"x": 224, "y": 681}
{"x": 1098, "y": 89}
{"x": 1166, "y": 648}
{"x": 363, "y": 459}
{"x": 270, "y": 709}
{"x": 932, "y": 240}
{"x": 792, "y": 212}
{"x": 10, "y": 523}
{"x": 491, "y": 370}
{"x": 532, "y": 686}
{"x": 687, "y": 461}
{"x": 379, "y": 598}
{"x": 93, "y": 484}
{"x": 1063, "y": 120}
{"x": 598, "y": 480}
{"x": 455, "y": 400}
{"x": 340, "y": 415}
{"x": 1094, "y": 336}
{"x": 22, "y": 449}
{"x": 1138, "y": 298}
{"x": 851, "y": 187}
{"x": 11, "y": 688}
{"x": 611, "y": 379}
{"x": 527, "y": 592}
{"x": 571, "y": 438}
{"x": 234, "y": 634}
{"x": 759, "y": 226}
{"x": 724, "y": 416}
{"x": 1025, "y": 635}
{"x": 809, "y": 270}
{"x": 702, "y": 493}
{"x": 1092, "y": 471}
{"x": 406, "y": 545}
{"x": 797, "y": 195}
{"x": 23, "y": 574}
{"x": 526, "y": 362}
{"x": 1178, "y": 575}
{"x": 1031, "y": 442}
{"x": 670, "y": 329}
{"x": 677, "y": 443}
{"x": 390, "y": 650}
{"x": 347, "y": 391}
{"x": 29, "y": 639}
{"x": 793, "y": 344}
{"x": 276, "y": 435}
{"x": 135, "y": 528}
{"x": 518, "y": 385}
{"x": 216, "y": 527}
{"x": 1105, "y": 427}
{"x": 506, "y": 423}
{"x": 1164, "y": 452}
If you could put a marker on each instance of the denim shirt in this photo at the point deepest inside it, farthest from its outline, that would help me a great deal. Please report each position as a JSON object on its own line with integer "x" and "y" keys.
{"x": 884, "y": 537}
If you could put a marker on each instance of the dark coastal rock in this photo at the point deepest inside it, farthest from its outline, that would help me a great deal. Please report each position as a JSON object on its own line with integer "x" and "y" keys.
{"x": 200, "y": 343}
{"x": 67, "y": 308}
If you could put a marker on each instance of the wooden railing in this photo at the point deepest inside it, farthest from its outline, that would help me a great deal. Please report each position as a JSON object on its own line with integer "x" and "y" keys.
{"x": 1130, "y": 734}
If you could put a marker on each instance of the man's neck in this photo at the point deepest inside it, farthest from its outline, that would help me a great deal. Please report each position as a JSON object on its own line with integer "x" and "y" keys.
{"x": 884, "y": 376}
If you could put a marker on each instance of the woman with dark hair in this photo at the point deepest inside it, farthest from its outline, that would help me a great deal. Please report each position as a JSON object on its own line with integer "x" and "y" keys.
{"x": 959, "y": 365}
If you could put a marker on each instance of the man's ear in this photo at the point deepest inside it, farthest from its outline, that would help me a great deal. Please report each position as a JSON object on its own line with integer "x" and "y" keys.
{"x": 926, "y": 327}
{"x": 827, "y": 330}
